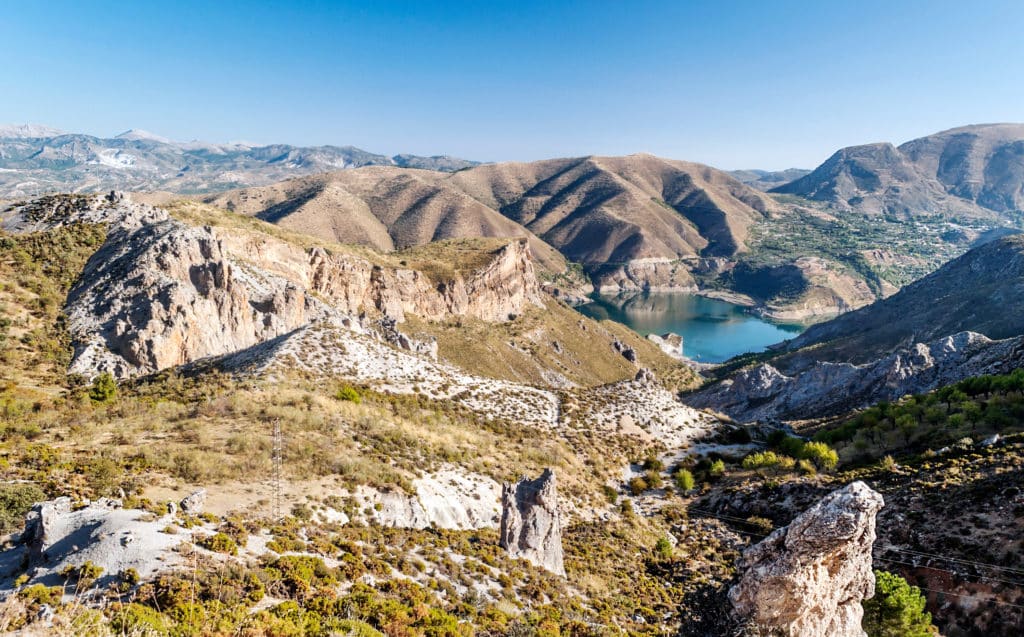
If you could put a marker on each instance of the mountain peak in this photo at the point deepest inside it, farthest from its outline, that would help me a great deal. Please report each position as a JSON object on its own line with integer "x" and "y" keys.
{"x": 136, "y": 134}
{"x": 28, "y": 131}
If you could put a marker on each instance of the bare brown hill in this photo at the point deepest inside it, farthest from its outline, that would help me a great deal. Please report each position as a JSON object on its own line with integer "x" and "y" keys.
{"x": 594, "y": 210}
{"x": 384, "y": 208}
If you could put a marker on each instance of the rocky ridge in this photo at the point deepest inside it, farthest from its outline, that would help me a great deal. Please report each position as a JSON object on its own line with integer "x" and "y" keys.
{"x": 763, "y": 393}
{"x": 979, "y": 292}
{"x": 972, "y": 170}
{"x": 808, "y": 579}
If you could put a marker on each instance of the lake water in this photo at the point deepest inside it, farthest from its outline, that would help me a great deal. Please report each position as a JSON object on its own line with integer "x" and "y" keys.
{"x": 713, "y": 331}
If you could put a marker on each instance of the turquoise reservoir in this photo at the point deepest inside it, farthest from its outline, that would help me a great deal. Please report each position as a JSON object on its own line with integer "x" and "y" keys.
{"x": 713, "y": 331}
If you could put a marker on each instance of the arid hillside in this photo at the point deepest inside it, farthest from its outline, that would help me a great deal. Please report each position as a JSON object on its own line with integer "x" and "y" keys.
{"x": 594, "y": 210}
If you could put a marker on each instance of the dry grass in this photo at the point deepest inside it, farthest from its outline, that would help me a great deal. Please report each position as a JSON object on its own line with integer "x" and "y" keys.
{"x": 555, "y": 339}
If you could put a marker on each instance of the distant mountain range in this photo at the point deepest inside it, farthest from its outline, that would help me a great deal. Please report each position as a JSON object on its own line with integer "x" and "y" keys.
{"x": 799, "y": 244}
{"x": 36, "y": 159}
{"x": 768, "y": 179}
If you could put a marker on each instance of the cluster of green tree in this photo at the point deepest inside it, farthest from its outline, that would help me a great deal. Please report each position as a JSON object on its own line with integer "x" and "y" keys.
{"x": 896, "y": 610}
{"x": 787, "y": 452}
{"x": 977, "y": 406}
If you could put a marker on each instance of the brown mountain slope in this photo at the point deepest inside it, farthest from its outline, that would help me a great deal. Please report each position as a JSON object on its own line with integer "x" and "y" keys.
{"x": 594, "y": 210}
{"x": 982, "y": 163}
{"x": 613, "y": 209}
{"x": 972, "y": 171}
{"x": 384, "y": 208}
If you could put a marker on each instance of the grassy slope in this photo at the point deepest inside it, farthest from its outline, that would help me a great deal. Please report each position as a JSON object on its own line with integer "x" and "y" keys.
{"x": 524, "y": 349}
{"x": 36, "y": 272}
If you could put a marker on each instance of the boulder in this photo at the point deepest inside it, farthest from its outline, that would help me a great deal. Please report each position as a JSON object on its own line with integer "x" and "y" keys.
{"x": 670, "y": 343}
{"x": 627, "y": 352}
{"x": 808, "y": 579}
{"x": 193, "y": 503}
{"x": 531, "y": 527}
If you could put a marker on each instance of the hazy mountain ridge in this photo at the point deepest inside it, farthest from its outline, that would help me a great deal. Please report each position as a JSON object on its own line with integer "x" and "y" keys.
{"x": 37, "y": 159}
{"x": 768, "y": 179}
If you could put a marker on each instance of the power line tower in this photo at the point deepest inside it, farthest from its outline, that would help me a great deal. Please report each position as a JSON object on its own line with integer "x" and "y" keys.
{"x": 277, "y": 457}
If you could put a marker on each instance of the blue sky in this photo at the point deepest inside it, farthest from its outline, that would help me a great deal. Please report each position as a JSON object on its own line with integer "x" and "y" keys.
{"x": 730, "y": 83}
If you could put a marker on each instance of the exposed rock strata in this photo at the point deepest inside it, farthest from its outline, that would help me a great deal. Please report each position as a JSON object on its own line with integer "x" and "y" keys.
{"x": 808, "y": 579}
{"x": 765, "y": 393}
{"x": 531, "y": 526}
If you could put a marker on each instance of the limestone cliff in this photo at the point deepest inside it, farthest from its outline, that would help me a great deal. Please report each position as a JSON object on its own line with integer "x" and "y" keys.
{"x": 160, "y": 292}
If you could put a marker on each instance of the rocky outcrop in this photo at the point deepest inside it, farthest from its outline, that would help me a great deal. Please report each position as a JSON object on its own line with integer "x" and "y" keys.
{"x": 627, "y": 352}
{"x": 499, "y": 290}
{"x": 58, "y": 535}
{"x": 808, "y": 579}
{"x": 765, "y": 393}
{"x": 447, "y": 499}
{"x": 161, "y": 293}
{"x": 670, "y": 343}
{"x": 531, "y": 526}
{"x": 164, "y": 294}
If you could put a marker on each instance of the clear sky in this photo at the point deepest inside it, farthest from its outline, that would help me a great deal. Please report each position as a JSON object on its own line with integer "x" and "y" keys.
{"x": 767, "y": 84}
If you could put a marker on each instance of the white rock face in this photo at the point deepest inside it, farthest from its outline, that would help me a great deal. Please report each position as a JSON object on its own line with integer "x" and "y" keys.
{"x": 447, "y": 499}
{"x": 113, "y": 538}
{"x": 766, "y": 393}
{"x": 531, "y": 526}
{"x": 670, "y": 343}
{"x": 160, "y": 293}
{"x": 640, "y": 406}
{"x": 808, "y": 579}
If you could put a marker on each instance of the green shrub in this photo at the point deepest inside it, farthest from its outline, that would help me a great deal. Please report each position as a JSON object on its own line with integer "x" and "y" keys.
{"x": 761, "y": 460}
{"x": 15, "y": 501}
{"x": 83, "y": 575}
{"x": 136, "y": 619}
{"x": 349, "y": 394}
{"x": 104, "y": 388}
{"x": 823, "y": 456}
{"x": 38, "y": 595}
{"x": 219, "y": 543}
{"x": 684, "y": 480}
{"x": 896, "y": 610}
{"x": 638, "y": 485}
{"x": 352, "y": 628}
{"x": 663, "y": 548}
{"x": 653, "y": 479}
{"x": 717, "y": 469}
